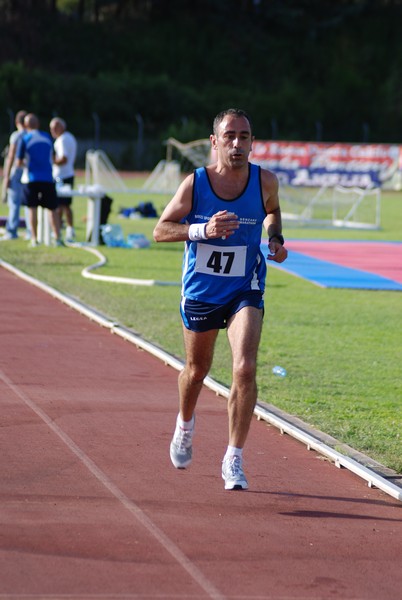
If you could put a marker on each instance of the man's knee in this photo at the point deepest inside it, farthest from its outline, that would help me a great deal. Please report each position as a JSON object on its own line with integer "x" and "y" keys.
{"x": 196, "y": 372}
{"x": 245, "y": 370}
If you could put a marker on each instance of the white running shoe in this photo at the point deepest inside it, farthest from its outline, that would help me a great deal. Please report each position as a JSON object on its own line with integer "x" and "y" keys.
{"x": 70, "y": 235}
{"x": 181, "y": 447}
{"x": 233, "y": 475}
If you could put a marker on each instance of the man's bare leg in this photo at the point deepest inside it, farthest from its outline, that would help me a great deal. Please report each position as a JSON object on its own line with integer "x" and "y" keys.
{"x": 244, "y": 332}
{"x": 199, "y": 349}
{"x": 55, "y": 223}
{"x": 33, "y": 223}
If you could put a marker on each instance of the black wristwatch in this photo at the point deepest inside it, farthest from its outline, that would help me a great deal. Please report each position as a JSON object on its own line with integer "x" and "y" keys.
{"x": 279, "y": 237}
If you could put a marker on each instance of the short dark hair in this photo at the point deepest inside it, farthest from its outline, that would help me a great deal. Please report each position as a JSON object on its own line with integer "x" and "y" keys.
{"x": 31, "y": 121}
{"x": 235, "y": 112}
{"x": 20, "y": 116}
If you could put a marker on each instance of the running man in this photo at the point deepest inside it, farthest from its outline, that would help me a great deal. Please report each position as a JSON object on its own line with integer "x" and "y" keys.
{"x": 219, "y": 212}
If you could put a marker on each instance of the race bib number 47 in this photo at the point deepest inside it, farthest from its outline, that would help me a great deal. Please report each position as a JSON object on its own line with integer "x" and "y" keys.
{"x": 225, "y": 261}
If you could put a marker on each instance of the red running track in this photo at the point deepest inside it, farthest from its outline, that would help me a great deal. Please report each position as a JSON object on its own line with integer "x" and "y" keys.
{"x": 91, "y": 507}
{"x": 379, "y": 258}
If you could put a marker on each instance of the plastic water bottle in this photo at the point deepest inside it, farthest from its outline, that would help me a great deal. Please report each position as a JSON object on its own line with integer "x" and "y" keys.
{"x": 113, "y": 236}
{"x": 279, "y": 371}
{"x": 137, "y": 240}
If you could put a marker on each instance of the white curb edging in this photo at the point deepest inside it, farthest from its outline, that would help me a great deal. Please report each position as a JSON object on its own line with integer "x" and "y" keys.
{"x": 262, "y": 412}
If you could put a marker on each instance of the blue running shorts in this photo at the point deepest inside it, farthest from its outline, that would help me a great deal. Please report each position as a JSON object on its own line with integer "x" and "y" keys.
{"x": 202, "y": 316}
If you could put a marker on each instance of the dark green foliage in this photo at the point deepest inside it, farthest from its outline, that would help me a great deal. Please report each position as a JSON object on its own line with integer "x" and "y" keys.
{"x": 302, "y": 69}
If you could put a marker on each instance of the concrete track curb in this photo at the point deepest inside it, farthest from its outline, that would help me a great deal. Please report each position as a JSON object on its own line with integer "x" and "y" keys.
{"x": 375, "y": 474}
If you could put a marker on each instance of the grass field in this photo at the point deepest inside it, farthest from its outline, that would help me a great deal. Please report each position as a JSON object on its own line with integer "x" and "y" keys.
{"x": 342, "y": 348}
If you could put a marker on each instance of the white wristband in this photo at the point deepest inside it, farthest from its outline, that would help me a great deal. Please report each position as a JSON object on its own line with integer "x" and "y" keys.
{"x": 196, "y": 232}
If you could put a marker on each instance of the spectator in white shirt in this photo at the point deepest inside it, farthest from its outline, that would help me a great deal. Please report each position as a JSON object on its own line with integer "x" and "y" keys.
{"x": 65, "y": 152}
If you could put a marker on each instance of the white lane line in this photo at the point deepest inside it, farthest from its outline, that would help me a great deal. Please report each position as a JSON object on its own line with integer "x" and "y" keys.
{"x": 131, "y": 506}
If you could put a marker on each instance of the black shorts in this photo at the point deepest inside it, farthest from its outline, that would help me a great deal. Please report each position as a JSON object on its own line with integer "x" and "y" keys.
{"x": 202, "y": 316}
{"x": 65, "y": 200}
{"x": 40, "y": 193}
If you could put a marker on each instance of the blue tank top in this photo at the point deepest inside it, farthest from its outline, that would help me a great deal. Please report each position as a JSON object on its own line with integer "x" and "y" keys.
{"x": 37, "y": 148}
{"x": 217, "y": 270}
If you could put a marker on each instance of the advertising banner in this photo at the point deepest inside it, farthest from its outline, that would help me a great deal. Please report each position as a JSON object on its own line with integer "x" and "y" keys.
{"x": 317, "y": 164}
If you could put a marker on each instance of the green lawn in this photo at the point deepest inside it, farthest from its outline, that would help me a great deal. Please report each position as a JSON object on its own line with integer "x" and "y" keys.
{"x": 341, "y": 348}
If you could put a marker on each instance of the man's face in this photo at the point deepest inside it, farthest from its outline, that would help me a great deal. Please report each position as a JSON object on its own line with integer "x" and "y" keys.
{"x": 233, "y": 141}
{"x": 55, "y": 130}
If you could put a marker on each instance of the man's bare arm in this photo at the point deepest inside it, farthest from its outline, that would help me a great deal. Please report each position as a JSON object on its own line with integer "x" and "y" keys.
{"x": 7, "y": 170}
{"x": 273, "y": 220}
{"x": 169, "y": 227}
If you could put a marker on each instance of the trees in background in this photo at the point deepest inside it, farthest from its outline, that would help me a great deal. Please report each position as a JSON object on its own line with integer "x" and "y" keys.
{"x": 305, "y": 69}
{"x": 318, "y": 13}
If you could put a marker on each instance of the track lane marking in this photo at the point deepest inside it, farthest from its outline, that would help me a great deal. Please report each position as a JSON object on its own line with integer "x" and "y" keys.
{"x": 130, "y": 505}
